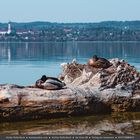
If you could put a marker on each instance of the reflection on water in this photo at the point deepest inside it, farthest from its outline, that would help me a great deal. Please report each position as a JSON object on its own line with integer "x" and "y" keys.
{"x": 28, "y": 61}
{"x": 125, "y": 123}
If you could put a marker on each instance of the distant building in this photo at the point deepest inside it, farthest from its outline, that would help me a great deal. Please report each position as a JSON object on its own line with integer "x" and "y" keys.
{"x": 8, "y": 31}
{"x": 22, "y": 31}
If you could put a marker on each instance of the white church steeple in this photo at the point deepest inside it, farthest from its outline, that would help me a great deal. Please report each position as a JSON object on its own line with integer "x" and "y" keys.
{"x": 3, "y": 32}
{"x": 9, "y": 28}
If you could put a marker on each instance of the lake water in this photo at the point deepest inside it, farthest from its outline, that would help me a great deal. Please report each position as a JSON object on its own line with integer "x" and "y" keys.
{"x": 120, "y": 124}
{"x": 24, "y": 63}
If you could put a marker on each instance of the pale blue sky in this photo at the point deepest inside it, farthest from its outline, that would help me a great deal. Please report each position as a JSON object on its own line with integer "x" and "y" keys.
{"x": 69, "y": 10}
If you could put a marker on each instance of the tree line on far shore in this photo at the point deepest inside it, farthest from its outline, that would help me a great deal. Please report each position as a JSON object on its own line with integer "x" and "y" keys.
{"x": 46, "y": 31}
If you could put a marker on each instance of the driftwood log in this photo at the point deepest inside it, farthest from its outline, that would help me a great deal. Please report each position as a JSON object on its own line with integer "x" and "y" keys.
{"x": 88, "y": 91}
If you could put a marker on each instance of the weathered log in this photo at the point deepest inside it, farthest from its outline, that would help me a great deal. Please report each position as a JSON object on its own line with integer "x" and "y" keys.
{"x": 91, "y": 91}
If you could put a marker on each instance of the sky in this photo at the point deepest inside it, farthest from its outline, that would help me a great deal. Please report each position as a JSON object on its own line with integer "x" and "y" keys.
{"x": 69, "y": 10}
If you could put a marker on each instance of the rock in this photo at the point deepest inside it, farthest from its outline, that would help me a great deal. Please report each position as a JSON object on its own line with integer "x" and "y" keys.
{"x": 89, "y": 90}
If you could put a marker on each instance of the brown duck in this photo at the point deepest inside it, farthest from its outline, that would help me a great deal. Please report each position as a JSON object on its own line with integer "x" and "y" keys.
{"x": 99, "y": 62}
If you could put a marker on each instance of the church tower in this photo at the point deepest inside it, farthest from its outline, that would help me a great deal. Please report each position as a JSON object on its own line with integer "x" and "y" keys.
{"x": 9, "y": 28}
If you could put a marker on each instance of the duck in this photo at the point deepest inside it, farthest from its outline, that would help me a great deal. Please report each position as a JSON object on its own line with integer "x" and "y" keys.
{"x": 99, "y": 62}
{"x": 49, "y": 83}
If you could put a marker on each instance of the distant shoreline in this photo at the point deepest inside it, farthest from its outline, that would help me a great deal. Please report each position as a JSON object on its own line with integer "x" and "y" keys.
{"x": 47, "y": 31}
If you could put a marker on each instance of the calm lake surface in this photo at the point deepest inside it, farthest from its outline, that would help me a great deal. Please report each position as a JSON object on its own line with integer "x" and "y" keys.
{"x": 24, "y": 63}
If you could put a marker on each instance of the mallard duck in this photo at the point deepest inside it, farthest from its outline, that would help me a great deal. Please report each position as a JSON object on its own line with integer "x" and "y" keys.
{"x": 52, "y": 84}
{"x": 99, "y": 62}
{"x": 49, "y": 83}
